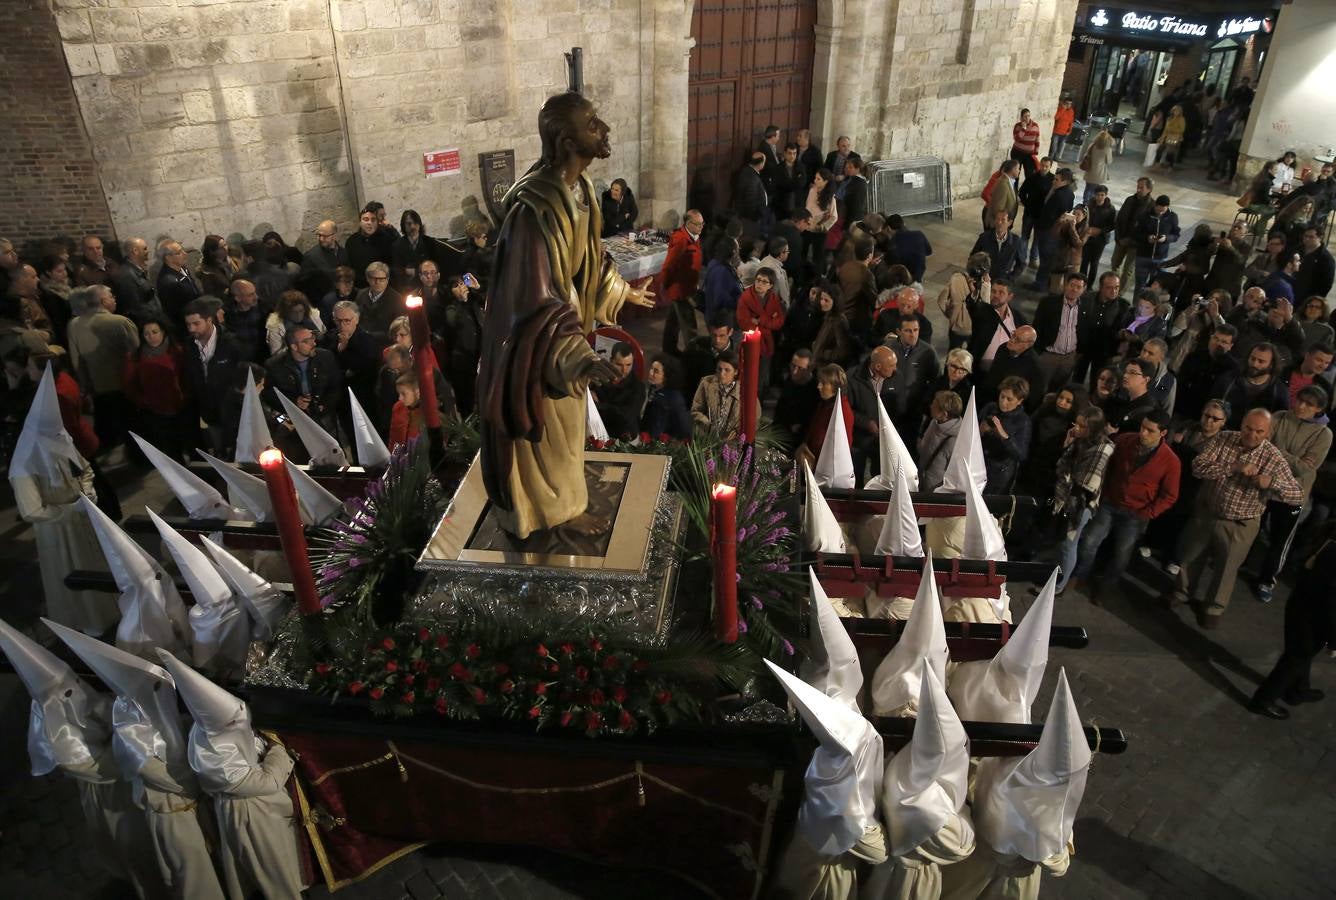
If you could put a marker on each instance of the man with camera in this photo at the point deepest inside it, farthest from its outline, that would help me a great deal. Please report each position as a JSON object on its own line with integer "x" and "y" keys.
{"x": 1261, "y": 320}
{"x": 309, "y": 376}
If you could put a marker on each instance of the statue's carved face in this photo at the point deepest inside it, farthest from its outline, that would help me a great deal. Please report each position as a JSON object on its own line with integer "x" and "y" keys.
{"x": 587, "y": 136}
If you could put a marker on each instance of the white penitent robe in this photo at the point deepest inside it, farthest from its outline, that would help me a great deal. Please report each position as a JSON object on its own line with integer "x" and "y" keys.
{"x": 986, "y": 875}
{"x": 171, "y": 799}
{"x": 917, "y": 875}
{"x": 65, "y": 541}
{"x": 117, "y": 830}
{"x": 805, "y": 874}
{"x": 257, "y": 843}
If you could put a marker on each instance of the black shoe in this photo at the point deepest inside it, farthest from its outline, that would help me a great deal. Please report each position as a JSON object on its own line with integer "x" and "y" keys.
{"x": 1270, "y": 710}
{"x": 1307, "y": 695}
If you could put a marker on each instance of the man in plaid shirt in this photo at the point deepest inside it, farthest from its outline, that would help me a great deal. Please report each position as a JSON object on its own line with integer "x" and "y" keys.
{"x": 1241, "y": 471}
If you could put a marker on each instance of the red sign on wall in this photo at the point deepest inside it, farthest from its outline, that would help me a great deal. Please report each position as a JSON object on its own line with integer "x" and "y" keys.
{"x": 441, "y": 162}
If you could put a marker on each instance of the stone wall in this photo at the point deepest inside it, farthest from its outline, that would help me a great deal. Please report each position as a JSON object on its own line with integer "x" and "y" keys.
{"x": 911, "y": 77}
{"x": 211, "y": 117}
{"x": 50, "y": 185}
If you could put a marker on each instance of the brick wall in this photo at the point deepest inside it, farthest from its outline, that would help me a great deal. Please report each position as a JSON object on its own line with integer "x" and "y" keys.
{"x": 50, "y": 185}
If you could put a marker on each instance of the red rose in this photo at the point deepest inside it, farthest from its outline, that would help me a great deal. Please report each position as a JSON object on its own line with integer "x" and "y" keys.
{"x": 409, "y": 698}
{"x": 321, "y": 669}
{"x": 626, "y": 721}
{"x": 644, "y": 437}
{"x": 535, "y": 712}
{"x": 391, "y": 666}
{"x": 541, "y": 651}
{"x": 581, "y": 673}
{"x": 639, "y": 666}
{"x": 593, "y": 721}
{"x": 663, "y": 697}
{"x": 596, "y": 698}
{"x": 442, "y": 641}
{"x": 619, "y": 694}
{"x": 611, "y": 662}
{"x": 501, "y": 669}
{"x": 473, "y": 651}
{"x": 665, "y": 438}
{"x": 540, "y": 688}
{"x": 409, "y": 679}
{"x": 553, "y": 668}
{"x": 507, "y": 686}
{"x": 420, "y": 665}
{"x": 566, "y": 718}
{"x": 459, "y": 672}
{"x": 595, "y": 644}
{"x": 376, "y": 693}
{"x": 424, "y": 635}
{"x": 433, "y": 685}
{"x": 597, "y": 444}
{"x": 388, "y": 643}
{"x": 567, "y": 649}
{"x": 354, "y": 687}
{"x": 479, "y": 695}
{"x": 440, "y": 705}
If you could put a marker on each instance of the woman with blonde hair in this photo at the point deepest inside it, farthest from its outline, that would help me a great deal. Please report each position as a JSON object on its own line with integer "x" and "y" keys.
{"x": 1171, "y": 139}
{"x": 293, "y": 309}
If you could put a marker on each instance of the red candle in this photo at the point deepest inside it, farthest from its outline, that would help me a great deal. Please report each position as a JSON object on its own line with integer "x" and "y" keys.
{"x": 422, "y": 362}
{"x": 750, "y": 390}
{"x": 283, "y": 497}
{"x": 724, "y": 543}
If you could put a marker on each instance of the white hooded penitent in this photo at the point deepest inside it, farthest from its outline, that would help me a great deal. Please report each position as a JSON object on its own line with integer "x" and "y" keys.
{"x": 899, "y": 531}
{"x": 316, "y": 504}
{"x": 223, "y": 745}
{"x": 821, "y": 531}
{"x": 219, "y": 627}
{"x": 200, "y": 499}
{"x": 69, "y": 723}
{"x": 966, "y": 463}
{"x": 243, "y": 489}
{"x": 832, "y": 665}
{"x": 265, "y": 604}
{"x": 1026, "y": 807}
{"x": 891, "y": 449}
{"x": 843, "y": 779}
{"x": 835, "y": 465}
{"x": 896, "y": 683}
{"x": 927, "y": 782}
{"x": 152, "y": 614}
{"x": 1003, "y": 689}
{"x": 594, "y": 427}
{"x": 44, "y": 448}
{"x": 253, "y": 435}
{"x": 147, "y": 724}
{"x": 371, "y": 450}
{"x": 319, "y": 443}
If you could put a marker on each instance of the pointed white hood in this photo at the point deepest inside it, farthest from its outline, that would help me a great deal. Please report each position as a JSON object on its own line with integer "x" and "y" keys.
{"x": 244, "y": 489}
{"x": 223, "y": 746}
{"x": 835, "y": 465}
{"x": 265, "y": 604}
{"x": 147, "y": 724}
{"x": 927, "y": 782}
{"x": 69, "y": 722}
{"x": 1026, "y": 807}
{"x": 896, "y": 683}
{"x": 152, "y": 614}
{"x": 832, "y": 666}
{"x": 319, "y": 443}
{"x": 966, "y": 463}
{"x": 899, "y": 531}
{"x": 594, "y": 426}
{"x": 199, "y": 498}
{"x": 317, "y": 505}
{"x": 1003, "y": 689}
{"x": 371, "y": 450}
{"x": 892, "y": 450}
{"x": 844, "y": 777}
{"x": 821, "y": 531}
{"x": 984, "y": 540}
{"x": 45, "y": 449}
{"x": 253, "y": 435}
{"x": 219, "y": 627}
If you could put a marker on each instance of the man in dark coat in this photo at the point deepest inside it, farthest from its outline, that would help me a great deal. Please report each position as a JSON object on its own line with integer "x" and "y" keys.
{"x": 1317, "y": 268}
{"x": 853, "y": 207}
{"x": 1103, "y": 316}
{"x": 370, "y": 243}
{"x": 1059, "y": 201}
{"x": 1004, "y": 247}
{"x": 307, "y": 375}
{"x": 1017, "y": 357}
{"x": 176, "y": 286}
{"x": 620, "y": 401}
{"x": 213, "y": 362}
{"x": 751, "y": 201}
{"x": 869, "y": 381}
{"x": 359, "y": 356}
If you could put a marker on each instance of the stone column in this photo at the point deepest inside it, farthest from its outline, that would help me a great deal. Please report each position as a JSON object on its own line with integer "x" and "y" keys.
{"x": 663, "y": 176}
{"x": 823, "y": 85}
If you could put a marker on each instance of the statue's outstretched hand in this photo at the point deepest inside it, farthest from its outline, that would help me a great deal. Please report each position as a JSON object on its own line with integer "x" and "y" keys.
{"x": 639, "y": 296}
{"x": 599, "y": 371}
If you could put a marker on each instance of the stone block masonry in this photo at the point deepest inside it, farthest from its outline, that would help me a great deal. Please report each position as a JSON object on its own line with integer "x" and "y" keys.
{"x": 50, "y": 184}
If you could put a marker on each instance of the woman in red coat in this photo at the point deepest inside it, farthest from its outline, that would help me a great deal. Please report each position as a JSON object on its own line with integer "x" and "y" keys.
{"x": 153, "y": 384}
{"x": 760, "y": 307}
{"x": 830, "y": 382}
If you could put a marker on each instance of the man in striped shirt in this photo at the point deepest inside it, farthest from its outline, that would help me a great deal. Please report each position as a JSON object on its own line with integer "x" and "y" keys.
{"x": 1241, "y": 471}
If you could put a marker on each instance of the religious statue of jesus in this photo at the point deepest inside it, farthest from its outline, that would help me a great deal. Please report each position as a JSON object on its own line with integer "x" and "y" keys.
{"x": 551, "y": 286}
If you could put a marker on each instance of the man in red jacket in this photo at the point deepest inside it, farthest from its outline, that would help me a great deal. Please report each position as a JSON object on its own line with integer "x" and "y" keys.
{"x": 1141, "y": 484}
{"x": 681, "y": 275}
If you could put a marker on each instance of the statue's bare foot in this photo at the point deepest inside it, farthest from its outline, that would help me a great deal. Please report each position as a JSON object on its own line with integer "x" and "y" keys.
{"x": 588, "y": 524}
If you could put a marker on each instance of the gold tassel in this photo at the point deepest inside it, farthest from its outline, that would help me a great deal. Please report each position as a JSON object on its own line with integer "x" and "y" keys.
{"x": 640, "y": 783}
